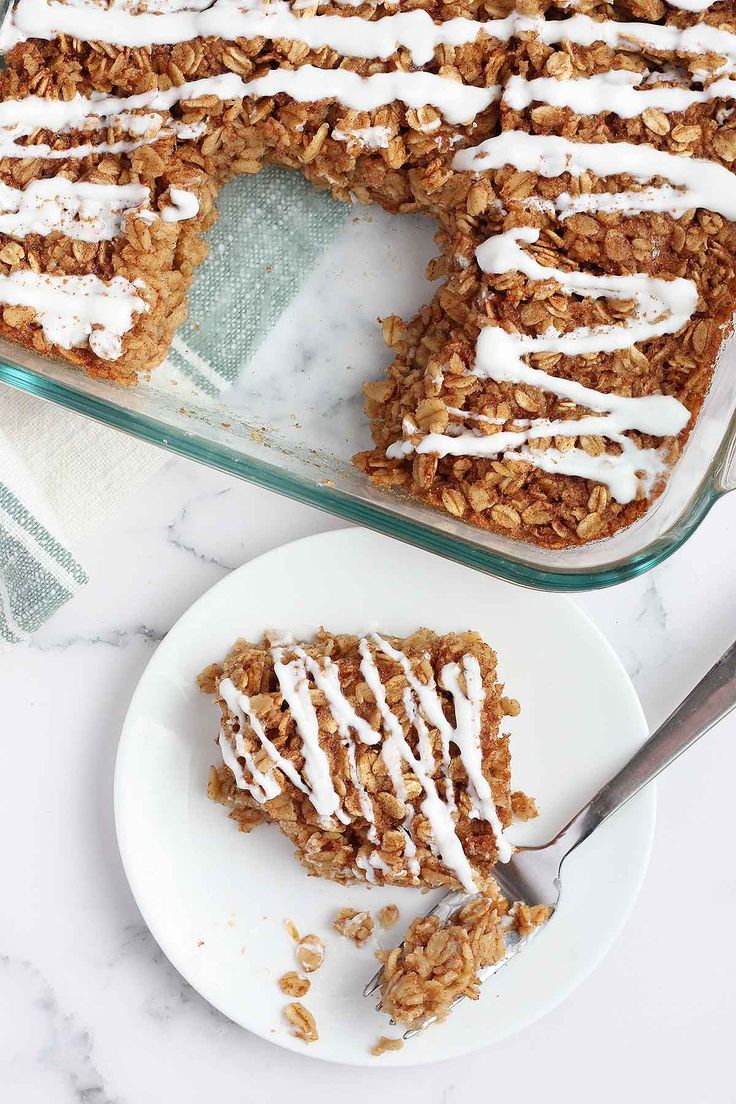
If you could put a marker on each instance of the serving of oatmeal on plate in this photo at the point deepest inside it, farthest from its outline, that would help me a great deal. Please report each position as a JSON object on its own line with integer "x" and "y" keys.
{"x": 382, "y": 760}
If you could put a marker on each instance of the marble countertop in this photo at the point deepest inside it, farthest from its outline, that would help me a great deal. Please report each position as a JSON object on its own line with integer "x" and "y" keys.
{"x": 91, "y": 1011}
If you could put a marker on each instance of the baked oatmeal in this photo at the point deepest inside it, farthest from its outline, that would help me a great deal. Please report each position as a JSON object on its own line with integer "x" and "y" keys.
{"x": 438, "y": 963}
{"x": 380, "y": 758}
{"x": 578, "y": 165}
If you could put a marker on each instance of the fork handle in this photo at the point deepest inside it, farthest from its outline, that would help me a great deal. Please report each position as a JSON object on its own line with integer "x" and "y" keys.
{"x": 708, "y": 703}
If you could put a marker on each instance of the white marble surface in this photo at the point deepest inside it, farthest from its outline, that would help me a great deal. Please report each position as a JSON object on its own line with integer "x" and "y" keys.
{"x": 91, "y": 1012}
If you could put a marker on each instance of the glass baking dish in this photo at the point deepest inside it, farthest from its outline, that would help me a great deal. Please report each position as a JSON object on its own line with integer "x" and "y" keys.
{"x": 291, "y": 417}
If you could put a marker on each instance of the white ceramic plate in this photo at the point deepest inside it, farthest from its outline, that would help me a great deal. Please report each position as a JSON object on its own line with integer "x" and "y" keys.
{"x": 216, "y": 900}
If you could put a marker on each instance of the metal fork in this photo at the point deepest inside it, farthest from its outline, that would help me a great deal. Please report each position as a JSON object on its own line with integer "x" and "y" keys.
{"x": 534, "y": 875}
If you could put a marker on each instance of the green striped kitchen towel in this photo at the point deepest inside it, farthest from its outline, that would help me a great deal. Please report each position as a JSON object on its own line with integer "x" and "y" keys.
{"x": 61, "y": 476}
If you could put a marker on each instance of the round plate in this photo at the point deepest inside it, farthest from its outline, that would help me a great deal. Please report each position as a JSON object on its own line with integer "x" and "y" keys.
{"x": 217, "y": 900}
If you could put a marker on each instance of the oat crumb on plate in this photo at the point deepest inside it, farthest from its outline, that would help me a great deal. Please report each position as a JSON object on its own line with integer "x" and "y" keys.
{"x": 523, "y": 806}
{"x": 302, "y": 1022}
{"x": 385, "y": 1044}
{"x": 294, "y": 985}
{"x": 528, "y": 917}
{"x": 310, "y": 953}
{"x": 354, "y": 925}
{"x": 292, "y": 930}
{"x": 388, "y": 916}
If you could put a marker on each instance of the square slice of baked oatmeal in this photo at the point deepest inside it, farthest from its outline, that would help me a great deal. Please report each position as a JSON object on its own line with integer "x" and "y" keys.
{"x": 382, "y": 759}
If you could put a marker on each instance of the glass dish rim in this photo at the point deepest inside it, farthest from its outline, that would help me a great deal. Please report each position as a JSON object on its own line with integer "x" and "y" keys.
{"x": 340, "y": 503}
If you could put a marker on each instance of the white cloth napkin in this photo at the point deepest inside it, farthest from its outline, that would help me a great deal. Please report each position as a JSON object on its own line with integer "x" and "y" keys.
{"x": 61, "y": 477}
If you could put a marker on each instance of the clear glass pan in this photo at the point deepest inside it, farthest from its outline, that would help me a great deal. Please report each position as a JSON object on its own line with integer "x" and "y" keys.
{"x": 293, "y": 417}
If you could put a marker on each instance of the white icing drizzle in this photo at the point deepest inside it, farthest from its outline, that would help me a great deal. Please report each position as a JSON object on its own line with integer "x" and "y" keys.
{"x": 229, "y": 19}
{"x": 701, "y": 38}
{"x": 634, "y": 469}
{"x": 301, "y": 5}
{"x": 363, "y": 865}
{"x": 468, "y": 706}
{"x": 394, "y": 749}
{"x": 423, "y": 708}
{"x": 294, "y": 688}
{"x": 20, "y": 118}
{"x": 76, "y": 310}
{"x": 141, "y": 6}
{"x": 445, "y": 843}
{"x": 426, "y": 694}
{"x": 624, "y": 474}
{"x": 458, "y": 103}
{"x": 465, "y": 734}
{"x": 184, "y": 205}
{"x": 703, "y": 183}
{"x": 327, "y": 679}
{"x": 664, "y": 198}
{"x": 351, "y": 36}
{"x": 263, "y": 786}
{"x": 617, "y": 91}
{"x": 180, "y": 130}
{"x": 683, "y": 5}
{"x": 372, "y": 137}
{"x": 82, "y": 211}
{"x": 662, "y": 306}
